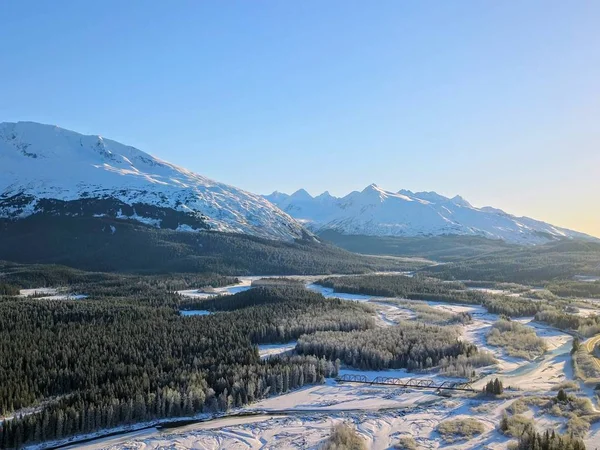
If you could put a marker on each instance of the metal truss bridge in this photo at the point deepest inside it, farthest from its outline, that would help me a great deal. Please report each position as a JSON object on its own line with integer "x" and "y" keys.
{"x": 412, "y": 383}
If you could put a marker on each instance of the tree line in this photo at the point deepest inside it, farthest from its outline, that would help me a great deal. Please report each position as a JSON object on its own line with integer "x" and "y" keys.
{"x": 420, "y": 287}
{"x": 571, "y": 288}
{"x": 90, "y": 244}
{"x": 586, "y": 326}
{"x": 526, "y": 264}
{"x": 417, "y": 287}
{"x": 89, "y": 364}
{"x": 9, "y": 289}
{"x": 409, "y": 345}
{"x": 98, "y": 409}
{"x": 532, "y": 439}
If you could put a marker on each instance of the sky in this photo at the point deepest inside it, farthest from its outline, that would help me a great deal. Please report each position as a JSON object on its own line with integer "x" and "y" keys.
{"x": 496, "y": 101}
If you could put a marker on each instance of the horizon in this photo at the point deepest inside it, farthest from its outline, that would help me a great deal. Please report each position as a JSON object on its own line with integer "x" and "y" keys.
{"x": 497, "y": 103}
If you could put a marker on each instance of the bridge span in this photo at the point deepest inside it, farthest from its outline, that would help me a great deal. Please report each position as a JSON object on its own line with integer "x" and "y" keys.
{"x": 412, "y": 383}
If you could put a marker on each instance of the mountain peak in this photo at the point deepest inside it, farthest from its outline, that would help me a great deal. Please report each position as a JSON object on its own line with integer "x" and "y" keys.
{"x": 301, "y": 194}
{"x": 373, "y": 191}
{"x": 276, "y": 197}
{"x": 461, "y": 201}
{"x": 324, "y": 195}
{"x": 373, "y": 188}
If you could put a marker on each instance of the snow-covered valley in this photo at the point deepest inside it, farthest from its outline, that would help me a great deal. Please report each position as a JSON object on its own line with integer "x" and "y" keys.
{"x": 381, "y": 414}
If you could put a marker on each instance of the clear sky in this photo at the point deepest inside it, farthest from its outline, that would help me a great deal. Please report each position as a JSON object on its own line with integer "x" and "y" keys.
{"x": 498, "y": 101}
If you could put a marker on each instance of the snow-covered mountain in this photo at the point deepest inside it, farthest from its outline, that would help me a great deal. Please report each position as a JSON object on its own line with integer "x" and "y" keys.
{"x": 376, "y": 212}
{"x": 48, "y": 170}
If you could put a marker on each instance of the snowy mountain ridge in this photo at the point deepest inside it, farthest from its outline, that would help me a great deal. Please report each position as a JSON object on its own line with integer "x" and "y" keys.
{"x": 377, "y": 212}
{"x": 47, "y": 169}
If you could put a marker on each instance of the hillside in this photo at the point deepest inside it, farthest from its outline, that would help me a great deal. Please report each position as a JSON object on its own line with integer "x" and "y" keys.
{"x": 48, "y": 170}
{"x": 442, "y": 248}
{"x": 105, "y": 244}
{"x": 536, "y": 264}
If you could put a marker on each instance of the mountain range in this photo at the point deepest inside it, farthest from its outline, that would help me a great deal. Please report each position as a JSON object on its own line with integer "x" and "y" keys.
{"x": 49, "y": 174}
{"x": 377, "y": 212}
{"x": 92, "y": 203}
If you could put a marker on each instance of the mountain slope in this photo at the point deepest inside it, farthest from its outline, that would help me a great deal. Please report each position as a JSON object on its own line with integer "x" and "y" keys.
{"x": 376, "y": 212}
{"x": 48, "y": 170}
{"x": 117, "y": 245}
{"x": 92, "y": 203}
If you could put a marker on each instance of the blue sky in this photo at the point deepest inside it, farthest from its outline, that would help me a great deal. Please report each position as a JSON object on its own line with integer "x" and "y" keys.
{"x": 496, "y": 101}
